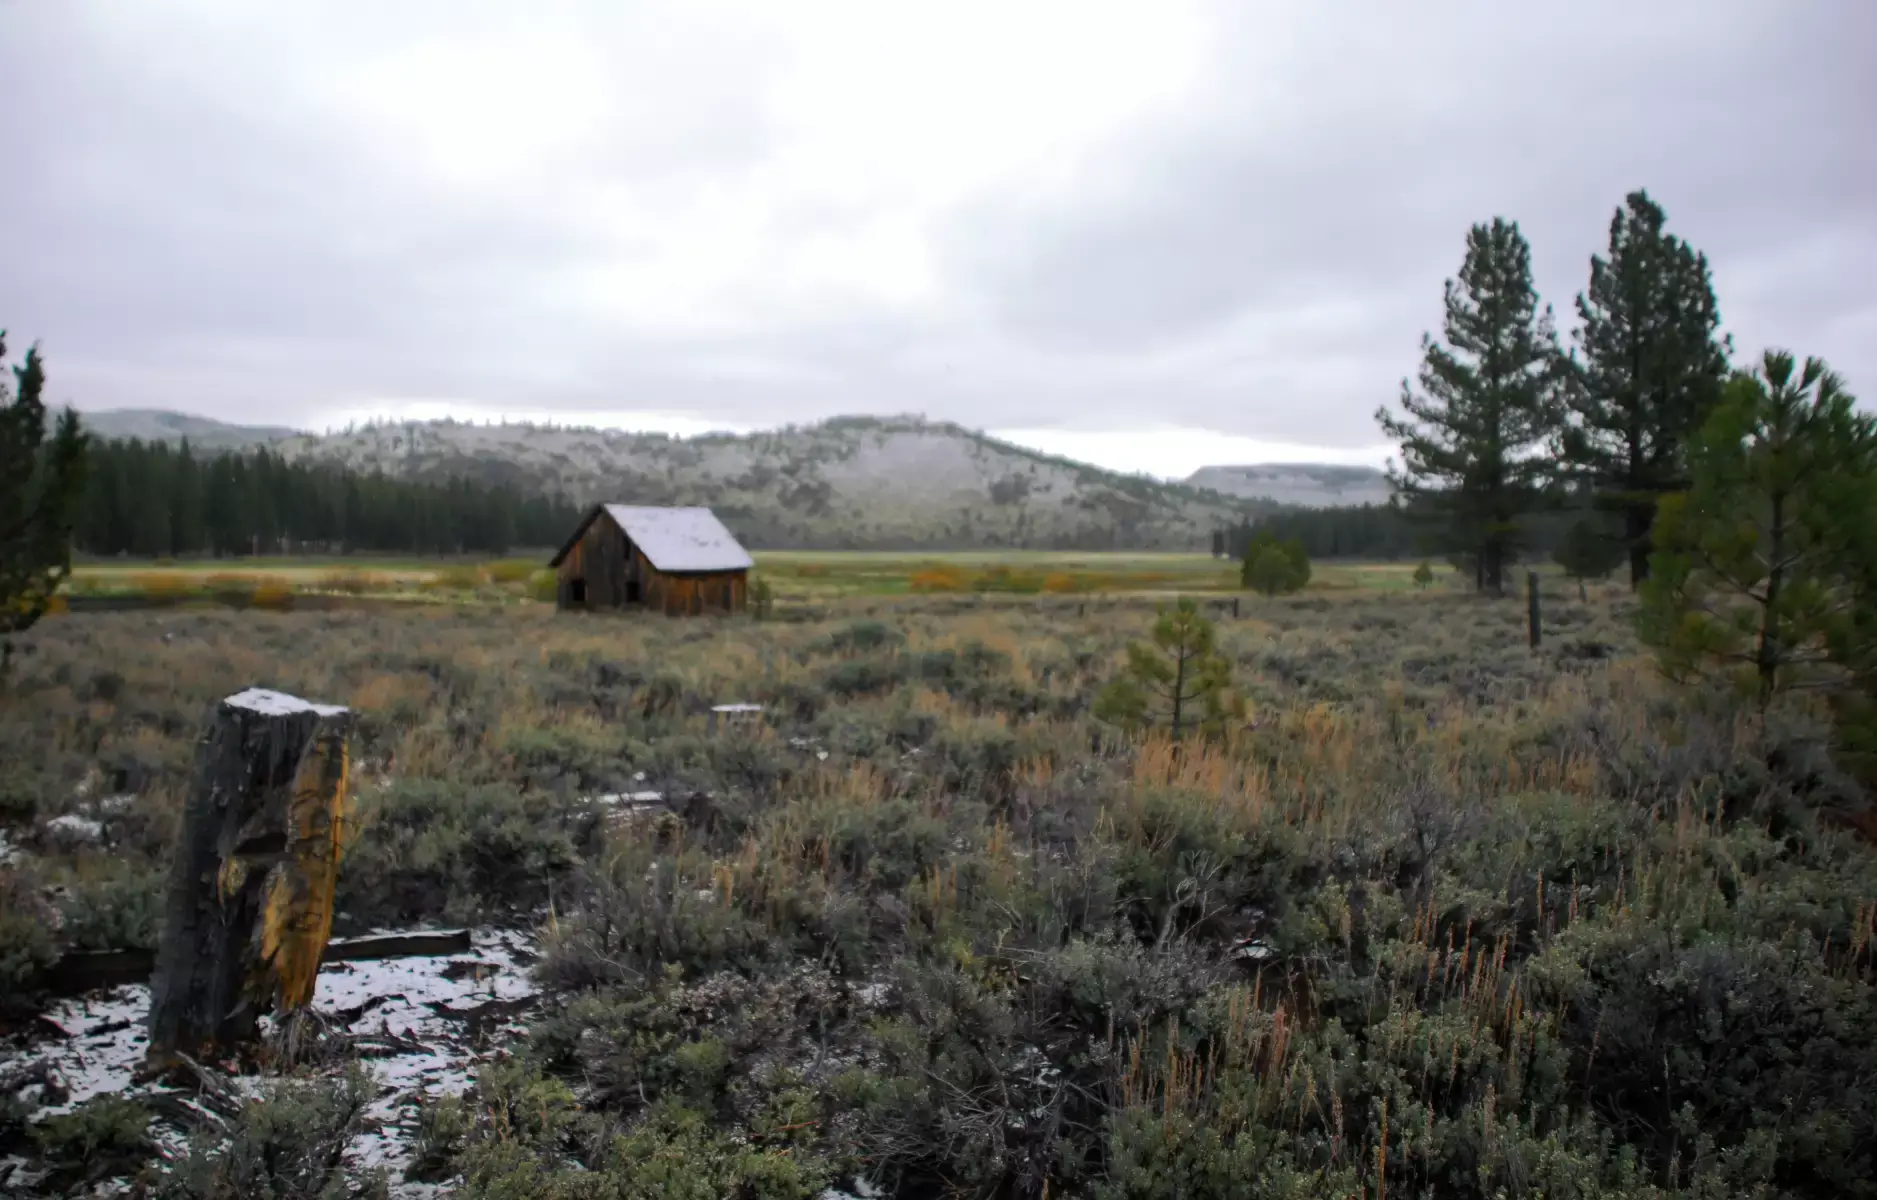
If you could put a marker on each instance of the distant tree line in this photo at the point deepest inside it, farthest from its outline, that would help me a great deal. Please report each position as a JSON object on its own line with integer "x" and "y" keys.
{"x": 1385, "y": 532}
{"x": 1374, "y": 531}
{"x": 154, "y": 500}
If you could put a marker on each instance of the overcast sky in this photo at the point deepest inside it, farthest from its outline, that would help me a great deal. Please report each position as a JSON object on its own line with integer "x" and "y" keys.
{"x": 1155, "y": 234}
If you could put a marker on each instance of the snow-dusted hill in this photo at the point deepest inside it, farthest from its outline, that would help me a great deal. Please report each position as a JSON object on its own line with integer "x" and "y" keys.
{"x": 853, "y": 482}
{"x": 1306, "y": 485}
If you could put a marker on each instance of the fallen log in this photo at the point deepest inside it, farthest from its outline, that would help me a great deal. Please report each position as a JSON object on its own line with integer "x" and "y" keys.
{"x": 89, "y": 970}
{"x": 82, "y": 971}
{"x": 421, "y": 944}
{"x": 249, "y": 908}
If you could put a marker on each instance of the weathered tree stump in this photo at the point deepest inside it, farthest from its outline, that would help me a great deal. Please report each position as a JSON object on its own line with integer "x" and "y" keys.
{"x": 251, "y": 888}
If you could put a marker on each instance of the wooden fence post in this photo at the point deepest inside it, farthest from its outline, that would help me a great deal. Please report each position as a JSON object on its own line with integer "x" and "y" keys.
{"x": 250, "y": 897}
{"x": 1533, "y": 625}
{"x": 1235, "y": 608}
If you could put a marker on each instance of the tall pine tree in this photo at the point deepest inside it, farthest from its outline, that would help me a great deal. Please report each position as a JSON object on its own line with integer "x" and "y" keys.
{"x": 185, "y": 518}
{"x": 1473, "y": 440}
{"x": 41, "y": 494}
{"x": 1651, "y": 370}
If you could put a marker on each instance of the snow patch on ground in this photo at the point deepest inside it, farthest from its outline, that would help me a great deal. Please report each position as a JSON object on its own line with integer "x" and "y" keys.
{"x": 72, "y": 828}
{"x": 626, "y": 799}
{"x": 423, "y": 1025}
{"x": 104, "y": 1040}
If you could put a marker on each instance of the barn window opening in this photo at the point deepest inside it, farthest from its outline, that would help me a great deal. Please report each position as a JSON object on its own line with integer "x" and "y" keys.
{"x": 632, "y": 591}
{"x": 577, "y": 591}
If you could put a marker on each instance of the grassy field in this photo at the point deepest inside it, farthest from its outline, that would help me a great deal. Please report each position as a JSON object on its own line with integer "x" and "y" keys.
{"x": 1435, "y": 915}
{"x": 810, "y": 576}
{"x": 271, "y": 582}
{"x": 1035, "y": 572}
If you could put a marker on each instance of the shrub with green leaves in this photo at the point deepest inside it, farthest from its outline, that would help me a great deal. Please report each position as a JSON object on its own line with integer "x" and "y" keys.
{"x": 525, "y": 1123}
{"x": 1274, "y": 566}
{"x": 286, "y": 1144}
{"x": 104, "y": 1138}
{"x": 424, "y": 850}
{"x": 120, "y": 908}
{"x": 28, "y": 943}
{"x": 543, "y": 586}
{"x": 640, "y": 912}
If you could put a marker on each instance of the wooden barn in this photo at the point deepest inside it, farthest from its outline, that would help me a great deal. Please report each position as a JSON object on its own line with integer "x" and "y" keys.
{"x": 671, "y": 560}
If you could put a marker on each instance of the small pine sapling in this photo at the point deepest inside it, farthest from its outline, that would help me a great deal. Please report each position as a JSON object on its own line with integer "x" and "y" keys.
{"x": 1178, "y": 680}
{"x": 1757, "y": 570}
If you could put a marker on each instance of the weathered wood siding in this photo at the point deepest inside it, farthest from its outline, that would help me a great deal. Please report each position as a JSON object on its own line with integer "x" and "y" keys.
{"x": 600, "y": 561}
{"x": 718, "y": 591}
{"x": 617, "y": 575}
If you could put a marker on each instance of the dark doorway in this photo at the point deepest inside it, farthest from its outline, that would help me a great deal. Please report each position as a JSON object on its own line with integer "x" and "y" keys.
{"x": 632, "y": 591}
{"x": 577, "y": 591}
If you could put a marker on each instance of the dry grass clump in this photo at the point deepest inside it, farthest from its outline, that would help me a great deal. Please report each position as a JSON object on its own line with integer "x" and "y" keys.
{"x": 164, "y": 583}
{"x": 511, "y": 570}
{"x": 465, "y": 577}
{"x": 1439, "y": 917}
{"x": 349, "y": 582}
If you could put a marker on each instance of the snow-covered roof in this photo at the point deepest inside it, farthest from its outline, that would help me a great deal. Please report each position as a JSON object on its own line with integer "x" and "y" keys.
{"x": 681, "y": 539}
{"x": 269, "y": 703}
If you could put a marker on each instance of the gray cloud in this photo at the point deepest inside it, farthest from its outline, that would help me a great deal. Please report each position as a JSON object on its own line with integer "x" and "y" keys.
{"x": 216, "y": 211}
{"x": 1398, "y": 140}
